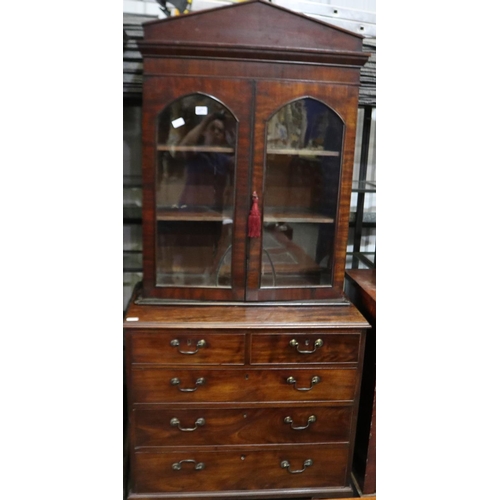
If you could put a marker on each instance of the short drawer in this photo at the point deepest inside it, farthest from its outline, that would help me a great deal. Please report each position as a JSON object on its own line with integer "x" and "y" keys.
{"x": 222, "y": 470}
{"x": 304, "y": 348}
{"x": 156, "y": 385}
{"x": 199, "y": 348}
{"x": 206, "y": 427}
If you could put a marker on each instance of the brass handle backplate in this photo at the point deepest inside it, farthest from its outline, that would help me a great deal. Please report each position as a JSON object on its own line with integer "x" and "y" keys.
{"x": 310, "y": 420}
{"x": 317, "y": 344}
{"x": 176, "y": 381}
{"x": 175, "y": 422}
{"x": 285, "y": 464}
{"x": 200, "y": 344}
{"x": 315, "y": 380}
{"x": 197, "y": 466}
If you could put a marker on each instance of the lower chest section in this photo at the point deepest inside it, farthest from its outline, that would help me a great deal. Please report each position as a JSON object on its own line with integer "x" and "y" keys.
{"x": 242, "y": 414}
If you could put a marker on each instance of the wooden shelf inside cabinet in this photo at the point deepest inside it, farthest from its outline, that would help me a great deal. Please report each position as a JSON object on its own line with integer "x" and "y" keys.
{"x": 202, "y": 214}
{"x": 195, "y": 149}
{"x": 301, "y": 152}
{"x": 295, "y": 215}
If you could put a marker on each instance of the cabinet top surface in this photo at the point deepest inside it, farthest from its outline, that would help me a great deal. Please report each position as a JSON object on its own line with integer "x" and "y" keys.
{"x": 364, "y": 279}
{"x": 241, "y": 316}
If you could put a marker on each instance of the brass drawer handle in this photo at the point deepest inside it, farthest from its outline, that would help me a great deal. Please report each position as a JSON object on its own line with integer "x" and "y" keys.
{"x": 200, "y": 344}
{"x": 198, "y": 466}
{"x": 286, "y": 465}
{"x": 315, "y": 380}
{"x": 176, "y": 381}
{"x": 175, "y": 422}
{"x": 310, "y": 420}
{"x": 317, "y": 344}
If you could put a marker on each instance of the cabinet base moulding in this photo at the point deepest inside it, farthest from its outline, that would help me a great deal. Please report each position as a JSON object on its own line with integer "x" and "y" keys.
{"x": 327, "y": 494}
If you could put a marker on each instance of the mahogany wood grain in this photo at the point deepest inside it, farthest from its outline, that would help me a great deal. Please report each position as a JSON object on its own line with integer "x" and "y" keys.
{"x": 245, "y": 406}
{"x": 154, "y": 385}
{"x": 243, "y": 317}
{"x": 277, "y": 349}
{"x": 256, "y": 70}
{"x": 239, "y": 469}
{"x": 242, "y": 426}
{"x": 254, "y": 57}
{"x": 254, "y": 45}
{"x": 255, "y": 25}
{"x": 227, "y": 348}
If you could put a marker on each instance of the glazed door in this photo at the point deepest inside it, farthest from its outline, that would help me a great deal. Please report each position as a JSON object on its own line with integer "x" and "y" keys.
{"x": 196, "y": 156}
{"x": 301, "y": 131}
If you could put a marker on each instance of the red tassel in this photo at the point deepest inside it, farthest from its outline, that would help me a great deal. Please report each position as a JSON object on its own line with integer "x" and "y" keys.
{"x": 254, "y": 223}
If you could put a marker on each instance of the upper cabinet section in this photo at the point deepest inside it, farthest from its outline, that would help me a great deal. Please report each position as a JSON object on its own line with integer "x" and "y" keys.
{"x": 247, "y": 108}
{"x": 254, "y": 29}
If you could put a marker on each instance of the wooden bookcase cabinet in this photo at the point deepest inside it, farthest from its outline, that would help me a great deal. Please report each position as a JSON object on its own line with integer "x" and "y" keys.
{"x": 287, "y": 87}
{"x": 243, "y": 357}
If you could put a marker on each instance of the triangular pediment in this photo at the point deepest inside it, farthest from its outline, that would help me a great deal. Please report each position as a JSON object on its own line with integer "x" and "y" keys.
{"x": 251, "y": 25}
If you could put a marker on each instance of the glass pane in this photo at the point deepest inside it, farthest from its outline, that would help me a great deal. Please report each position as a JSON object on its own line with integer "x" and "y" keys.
{"x": 304, "y": 141}
{"x": 195, "y": 193}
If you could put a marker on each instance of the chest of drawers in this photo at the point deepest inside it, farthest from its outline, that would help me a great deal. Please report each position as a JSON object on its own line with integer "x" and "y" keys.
{"x": 243, "y": 401}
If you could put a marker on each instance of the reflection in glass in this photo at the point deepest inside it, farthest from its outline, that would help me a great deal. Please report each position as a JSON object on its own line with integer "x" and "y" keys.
{"x": 195, "y": 193}
{"x": 302, "y": 173}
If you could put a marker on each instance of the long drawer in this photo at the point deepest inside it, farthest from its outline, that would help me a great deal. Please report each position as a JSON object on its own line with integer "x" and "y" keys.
{"x": 206, "y": 426}
{"x": 158, "y": 384}
{"x": 222, "y": 470}
{"x": 305, "y": 348}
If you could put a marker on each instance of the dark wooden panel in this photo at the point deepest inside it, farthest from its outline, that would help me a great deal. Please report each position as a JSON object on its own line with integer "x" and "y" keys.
{"x": 193, "y": 348}
{"x": 258, "y": 24}
{"x": 154, "y": 385}
{"x": 241, "y": 470}
{"x": 252, "y": 69}
{"x": 242, "y": 426}
{"x": 133, "y": 76}
{"x": 338, "y": 348}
